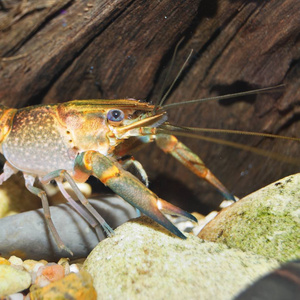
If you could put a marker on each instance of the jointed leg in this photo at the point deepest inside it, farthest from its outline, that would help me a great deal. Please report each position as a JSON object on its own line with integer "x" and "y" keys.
{"x": 89, "y": 218}
{"x": 62, "y": 173}
{"x": 170, "y": 144}
{"x": 29, "y": 181}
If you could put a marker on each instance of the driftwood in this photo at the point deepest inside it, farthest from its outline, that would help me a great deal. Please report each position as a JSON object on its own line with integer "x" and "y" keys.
{"x": 59, "y": 50}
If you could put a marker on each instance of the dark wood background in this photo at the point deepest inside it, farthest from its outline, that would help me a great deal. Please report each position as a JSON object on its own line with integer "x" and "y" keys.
{"x": 59, "y": 50}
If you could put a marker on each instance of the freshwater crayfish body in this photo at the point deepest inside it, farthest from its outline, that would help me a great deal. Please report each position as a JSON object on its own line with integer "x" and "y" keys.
{"x": 74, "y": 140}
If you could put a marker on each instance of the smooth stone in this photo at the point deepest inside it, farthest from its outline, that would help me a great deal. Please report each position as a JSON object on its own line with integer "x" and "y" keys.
{"x": 266, "y": 222}
{"x": 13, "y": 280}
{"x": 144, "y": 261}
{"x": 26, "y": 235}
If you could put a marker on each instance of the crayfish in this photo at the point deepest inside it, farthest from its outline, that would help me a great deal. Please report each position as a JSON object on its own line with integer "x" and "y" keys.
{"x": 75, "y": 140}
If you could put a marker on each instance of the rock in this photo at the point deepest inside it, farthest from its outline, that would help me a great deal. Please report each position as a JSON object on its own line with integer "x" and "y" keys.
{"x": 53, "y": 272}
{"x": 13, "y": 280}
{"x": 15, "y": 198}
{"x": 283, "y": 283}
{"x": 266, "y": 222}
{"x": 27, "y": 235}
{"x": 49, "y": 273}
{"x": 17, "y": 296}
{"x": 4, "y": 261}
{"x": 64, "y": 262}
{"x": 32, "y": 266}
{"x": 16, "y": 261}
{"x": 144, "y": 261}
{"x": 42, "y": 274}
{"x": 77, "y": 286}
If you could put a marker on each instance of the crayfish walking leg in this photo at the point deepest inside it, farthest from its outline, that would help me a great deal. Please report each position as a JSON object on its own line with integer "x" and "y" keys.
{"x": 29, "y": 181}
{"x": 89, "y": 218}
{"x": 62, "y": 173}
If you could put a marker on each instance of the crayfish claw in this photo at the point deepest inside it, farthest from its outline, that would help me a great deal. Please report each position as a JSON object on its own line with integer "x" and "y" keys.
{"x": 228, "y": 196}
{"x": 171, "y": 209}
{"x": 130, "y": 189}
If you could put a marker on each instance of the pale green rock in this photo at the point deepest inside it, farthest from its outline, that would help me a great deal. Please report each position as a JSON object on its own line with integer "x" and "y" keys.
{"x": 144, "y": 261}
{"x": 266, "y": 222}
{"x": 13, "y": 280}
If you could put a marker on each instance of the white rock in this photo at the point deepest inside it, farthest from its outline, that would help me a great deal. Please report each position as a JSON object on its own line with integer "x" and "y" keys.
{"x": 144, "y": 261}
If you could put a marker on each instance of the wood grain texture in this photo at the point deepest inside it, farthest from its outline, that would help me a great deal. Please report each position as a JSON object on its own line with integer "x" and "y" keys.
{"x": 55, "y": 51}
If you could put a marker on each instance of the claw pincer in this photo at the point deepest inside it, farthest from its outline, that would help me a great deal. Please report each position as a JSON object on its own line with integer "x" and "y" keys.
{"x": 77, "y": 139}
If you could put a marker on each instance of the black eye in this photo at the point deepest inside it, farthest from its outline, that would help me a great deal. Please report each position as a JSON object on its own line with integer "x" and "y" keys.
{"x": 115, "y": 115}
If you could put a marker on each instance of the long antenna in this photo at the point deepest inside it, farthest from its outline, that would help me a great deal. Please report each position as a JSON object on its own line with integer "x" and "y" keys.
{"x": 228, "y": 96}
{"x": 174, "y": 81}
{"x": 171, "y": 127}
{"x": 168, "y": 74}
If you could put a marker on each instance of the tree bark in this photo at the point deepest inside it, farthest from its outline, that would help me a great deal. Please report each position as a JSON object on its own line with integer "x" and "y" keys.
{"x": 59, "y": 50}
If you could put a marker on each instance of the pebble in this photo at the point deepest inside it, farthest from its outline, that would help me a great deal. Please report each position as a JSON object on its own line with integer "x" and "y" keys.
{"x": 4, "y": 261}
{"x": 31, "y": 265}
{"x": 16, "y": 261}
{"x": 17, "y": 275}
{"x": 49, "y": 273}
{"x": 13, "y": 280}
{"x": 77, "y": 286}
{"x": 17, "y": 296}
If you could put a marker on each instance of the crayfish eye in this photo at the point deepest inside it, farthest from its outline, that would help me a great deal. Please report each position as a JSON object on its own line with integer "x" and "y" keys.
{"x": 115, "y": 116}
